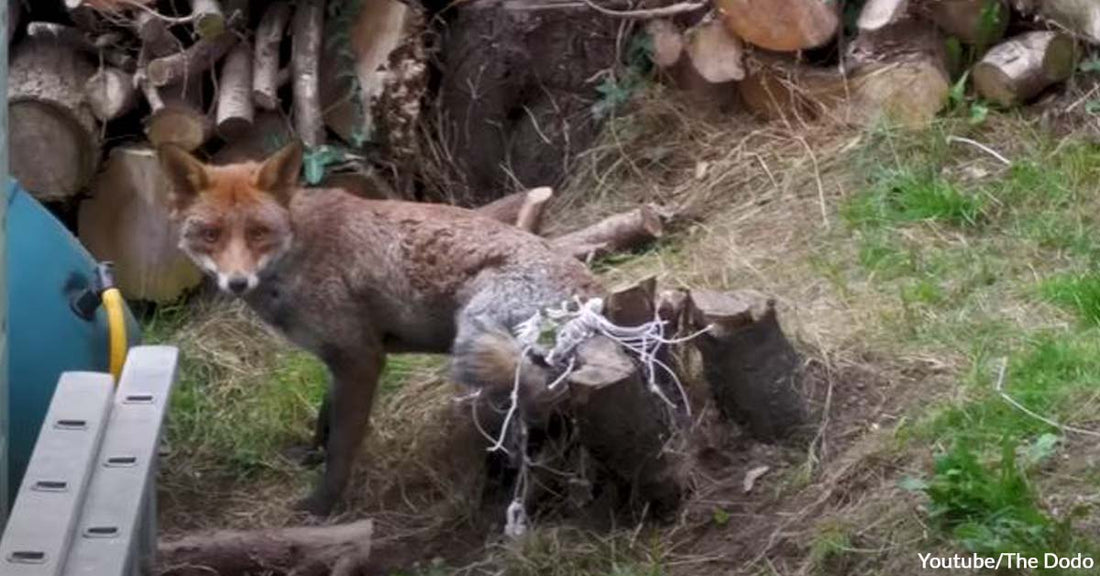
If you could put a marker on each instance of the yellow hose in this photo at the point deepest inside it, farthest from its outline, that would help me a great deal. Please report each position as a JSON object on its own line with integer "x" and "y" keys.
{"x": 116, "y": 329}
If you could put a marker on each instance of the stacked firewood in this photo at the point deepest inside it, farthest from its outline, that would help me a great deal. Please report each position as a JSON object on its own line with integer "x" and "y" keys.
{"x": 898, "y": 63}
{"x": 95, "y": 86}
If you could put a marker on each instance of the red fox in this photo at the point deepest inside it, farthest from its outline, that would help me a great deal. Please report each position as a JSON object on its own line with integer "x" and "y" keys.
{"x": 351, "y": 279}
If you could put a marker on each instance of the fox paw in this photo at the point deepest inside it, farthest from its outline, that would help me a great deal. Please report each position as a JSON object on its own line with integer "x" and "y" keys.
{"x": 316, "y": 505}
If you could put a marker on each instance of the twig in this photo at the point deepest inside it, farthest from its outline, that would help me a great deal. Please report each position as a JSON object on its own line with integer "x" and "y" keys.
{"x": 820, "y": 186}
{"x": 662, "y": 12}
{"x": 1012, "y": 401}
{"x": 981, "y": 147}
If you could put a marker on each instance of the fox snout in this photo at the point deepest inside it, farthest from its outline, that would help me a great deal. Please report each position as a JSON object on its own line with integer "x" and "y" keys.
{"x": 237, "y": 284}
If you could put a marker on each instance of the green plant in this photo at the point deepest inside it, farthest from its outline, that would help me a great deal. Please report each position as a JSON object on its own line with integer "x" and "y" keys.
{"x": 988, "y": 510}
{"x": 912, "y": 196}
{"x": 617, "y": 89}
{"x": 1079, "y": 293}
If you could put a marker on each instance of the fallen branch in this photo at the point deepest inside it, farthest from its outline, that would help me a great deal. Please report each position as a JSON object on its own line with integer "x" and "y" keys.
{"x": 617, "y": 233}
{"x": 305, "y": 65}
{"x": 265, "y": 64}
{"x": 340, "y": 550}
{"x": 235, "y": 111}
{"x": 196, "y": 59}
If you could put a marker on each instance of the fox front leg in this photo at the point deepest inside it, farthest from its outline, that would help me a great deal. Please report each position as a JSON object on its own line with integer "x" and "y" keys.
{"x": 355, "y": 377}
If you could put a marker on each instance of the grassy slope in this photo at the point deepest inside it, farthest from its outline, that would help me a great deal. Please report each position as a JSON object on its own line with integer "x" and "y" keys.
{"x": 927, "y": 254}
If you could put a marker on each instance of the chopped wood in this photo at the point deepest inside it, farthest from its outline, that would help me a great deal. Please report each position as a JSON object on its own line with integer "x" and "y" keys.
{"x": 753, "y": 371}
{"x": 75, "y": 38}
{"x": 908, "y": 93}
{"x": 308, "y": 26}
{"x": 878, "y": 14}
{"x": 53, "y": 140}
{"x": 1080, "y": 17}
{"x": 625, "y": 231}
{"x": 780, "y": 90}
{"x": 377, "y": 31}
{"x": 782, "y": 25}
{"x": 522, "y": 209}
{"x": 265, "y": 65}
{"x": 667, "y": 42}
{"x": 339, "y": 550}
{"x": 235, "y": 111}
{"x": 110, "y": 93}
{"x": 196, "y": 59}
{"x": 128, "y": 221}
{"x": 977, "y": 22}
{"x": 715, "y": 52}
{"x": 267, "y": 134}
{"x": 156, "y": 40}
{"x": 208, "y": 18}
{"x": 178, "y": 116}
{"x": 1020, "y": 68}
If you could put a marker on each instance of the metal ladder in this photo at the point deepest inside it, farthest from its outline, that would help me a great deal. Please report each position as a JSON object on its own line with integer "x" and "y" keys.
{"x": 87, "y": 503}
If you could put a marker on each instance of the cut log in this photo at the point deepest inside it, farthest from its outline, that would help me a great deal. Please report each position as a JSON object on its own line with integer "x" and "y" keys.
{"x": 110, "y": 93}
{"x": 207, "y": 17}
{"x": 1081, "y": 17}
{"x": 53, "y": 140}
{"x": 1020, "y": 68}
{"x": 753, "y": 371}
{"x": 101, "y": 46}
{"x": 715, "y": 52}
{"x": 305, "y": 62}
{"x": 624, "y": 425}
{"x": 908, "y": 94}
{"x": 667, "y": 42}
{"x": 522, "y": 209}
{"x": 878, "y": 14}
{"x": 176, "y": 119}
{"x": 780, "y": 90}
{"x": 235, "y": 111}
{"x": 782, "y": 25}
{"x": 269, "y": 132}
{"x": 381, "y": 101}
{"x": 978, "y": 22}
{"x": 128, "y": 221}
{"x": 339, "y": 550}
{"x": 626, "y": 231}
{"x": 189, "y": 63}
{"x": 265, "y": 69}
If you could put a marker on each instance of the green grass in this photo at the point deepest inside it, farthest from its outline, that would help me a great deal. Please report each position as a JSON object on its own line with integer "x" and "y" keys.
{"x": 974, "y": 265}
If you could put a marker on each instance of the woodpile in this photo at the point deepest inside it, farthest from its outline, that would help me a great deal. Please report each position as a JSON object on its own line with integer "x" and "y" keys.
{"x": 96, "y": 86}
{"x": 791, "y": 60}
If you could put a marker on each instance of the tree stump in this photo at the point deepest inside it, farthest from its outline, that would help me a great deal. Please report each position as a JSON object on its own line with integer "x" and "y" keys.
{"x": 53, "y": 140}
{"x": 753, "y": 371}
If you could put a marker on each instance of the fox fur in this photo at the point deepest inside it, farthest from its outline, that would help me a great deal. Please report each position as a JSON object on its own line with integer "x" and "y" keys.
{"x": 351, "y": 280}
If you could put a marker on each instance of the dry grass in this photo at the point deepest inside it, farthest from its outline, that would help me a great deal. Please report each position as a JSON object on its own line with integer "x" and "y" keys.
{"x": 891, "y": 318}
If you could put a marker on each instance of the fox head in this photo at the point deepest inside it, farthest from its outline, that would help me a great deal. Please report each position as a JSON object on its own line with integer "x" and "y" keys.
{"x": 234, "y": 220}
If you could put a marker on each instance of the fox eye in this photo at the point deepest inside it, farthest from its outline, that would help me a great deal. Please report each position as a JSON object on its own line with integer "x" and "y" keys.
{"x": 209, "y": 235}
{"x": 257, "y": 234}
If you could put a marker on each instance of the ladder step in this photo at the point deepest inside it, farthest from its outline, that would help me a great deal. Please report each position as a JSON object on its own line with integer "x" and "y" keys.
{"x": 47, "y": 507}
{"x": 117, "y": 524}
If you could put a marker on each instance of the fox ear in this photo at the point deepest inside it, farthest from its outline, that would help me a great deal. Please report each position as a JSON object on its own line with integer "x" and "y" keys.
{"x": 279, "y": 173}
{"x": 186, "y": 173}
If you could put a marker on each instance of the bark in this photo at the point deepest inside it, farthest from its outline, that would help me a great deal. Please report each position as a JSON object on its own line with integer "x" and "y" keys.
{"x": 156, "y": 40}
{"x": 626, "y": 231}
{"x": 53, "y": 138}
{"x": 177, "y": 114}
{"x": 209, "y": 21}
{"x": 76, "y": 39}
{"x": 1020, "y": 68}
{"x": 110, "y": 93}
{"x": 667, "y": 41}
{"x": 269, "y": 36}
{"x": 235, "y": 111}
{"x": 1081, "y": 17}
{"x": 623, "y": 425}
{"x": 753, "y": 371}
{"x": 128, "y": 221}
{"x": 189, "y": 63}
{"x": 715, "y": 53}
{"x": 339, "y": 550}
{"x": 308, "y": 26}
{"x": 268, "y": 132}
{"x": 782, "y": 25}
{"x": 978, "y": 22}
{"x": 522, "y": 209}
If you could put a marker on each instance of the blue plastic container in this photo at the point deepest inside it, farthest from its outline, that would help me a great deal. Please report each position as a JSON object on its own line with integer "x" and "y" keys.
{"x": 47, "y": 269}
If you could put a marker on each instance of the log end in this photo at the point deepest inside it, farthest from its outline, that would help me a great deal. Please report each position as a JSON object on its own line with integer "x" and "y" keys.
{"x": 52, "y": 154}
{"x": 179, "y": 125}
